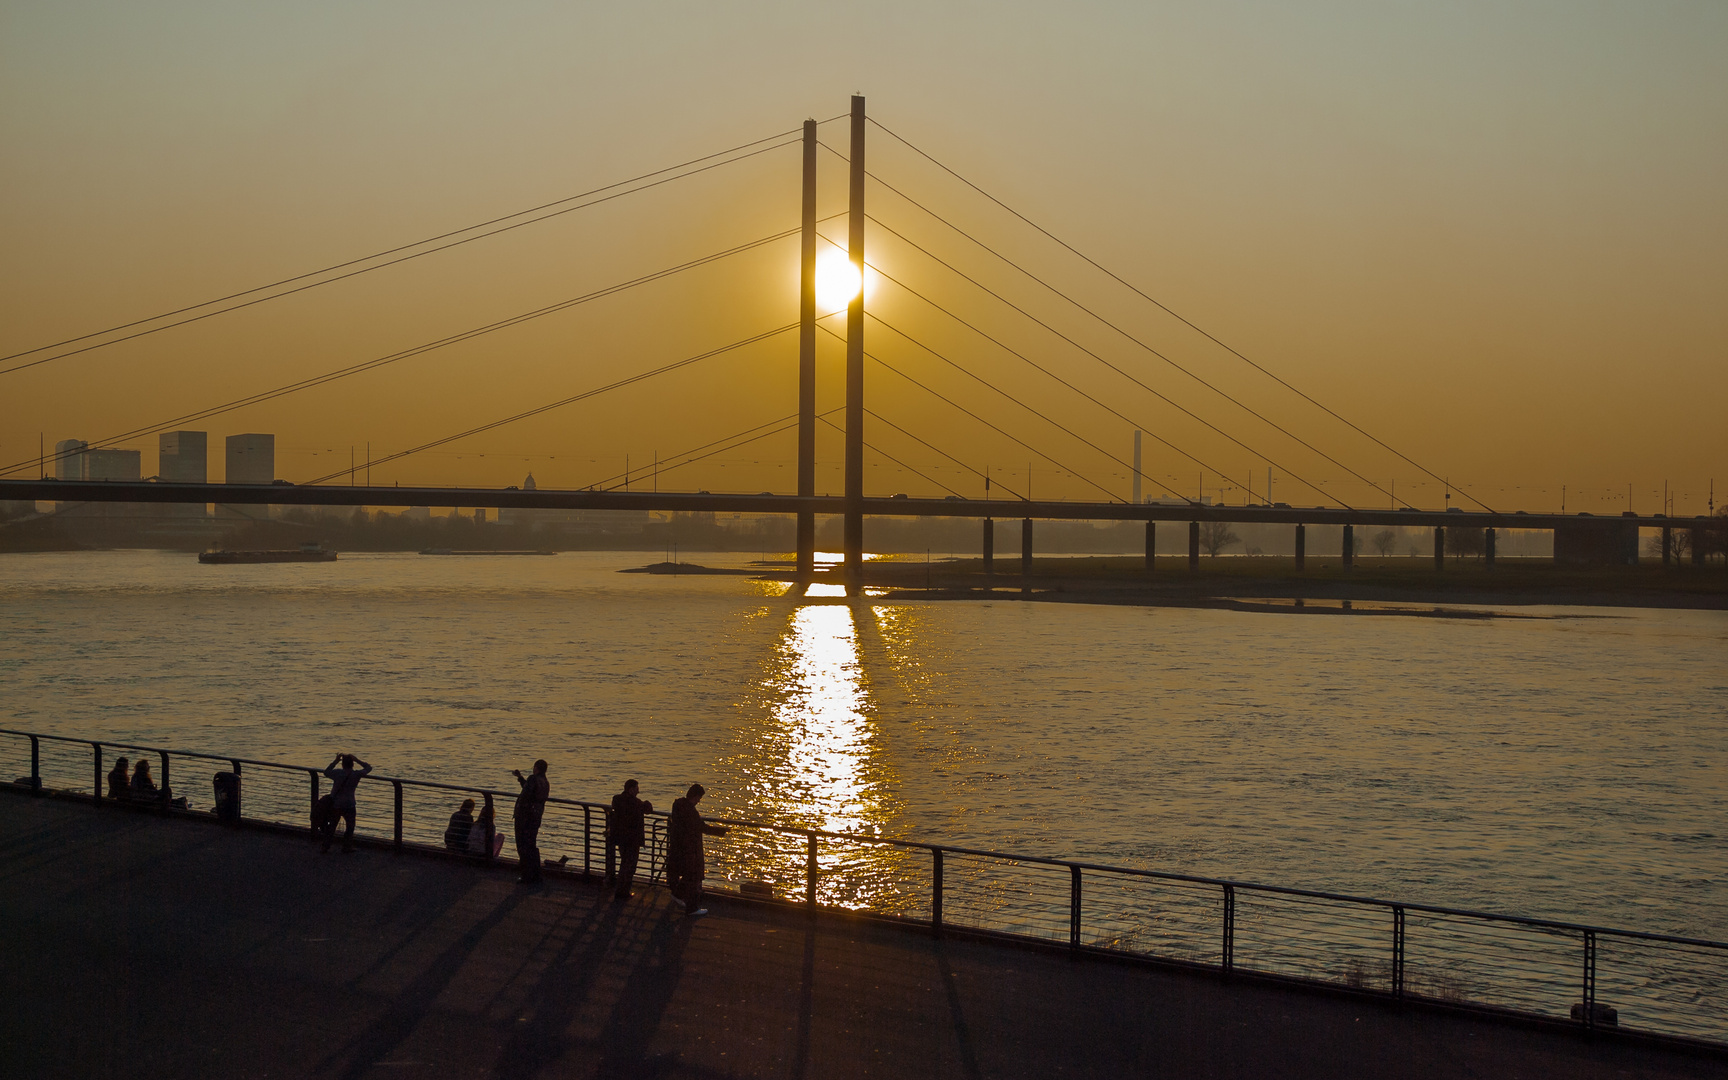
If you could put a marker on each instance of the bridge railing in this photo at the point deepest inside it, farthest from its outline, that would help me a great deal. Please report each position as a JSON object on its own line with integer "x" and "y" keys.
{"x": 1655, "y": 983}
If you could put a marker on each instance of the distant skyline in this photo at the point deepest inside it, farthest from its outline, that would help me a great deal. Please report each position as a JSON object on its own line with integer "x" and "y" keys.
{"x": 1492, "y": 235}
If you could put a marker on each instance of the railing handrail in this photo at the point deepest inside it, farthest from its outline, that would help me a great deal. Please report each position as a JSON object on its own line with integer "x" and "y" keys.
{"x": 951, "y": 849}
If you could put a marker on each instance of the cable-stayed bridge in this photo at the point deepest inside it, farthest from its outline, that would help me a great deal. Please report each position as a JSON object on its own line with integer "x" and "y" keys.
{"x": 1043, "y": 430}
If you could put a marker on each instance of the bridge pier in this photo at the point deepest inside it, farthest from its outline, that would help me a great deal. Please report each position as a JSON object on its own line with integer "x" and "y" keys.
{"x": 1151, "y": 544}
{"x": 1349, "y": 553}
{"x": 1193, "y": 545}
{"x": 1026, "y": 555}
{"x": 1698, "y": 546}
{"x": 1439, "y": 548}
{"x": 1488, "y": 547}
{"x": 1301, "y": 548}
{"x": 1667, "y": 546}
{"x": 989, "y": 547}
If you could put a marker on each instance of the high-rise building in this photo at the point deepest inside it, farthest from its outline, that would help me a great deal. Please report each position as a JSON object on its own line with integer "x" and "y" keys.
{"x": 184, "y": 457}
{"x": 113, "y": 465}
{"x": 69, "y": 459}
{"x": 251, "y": 459}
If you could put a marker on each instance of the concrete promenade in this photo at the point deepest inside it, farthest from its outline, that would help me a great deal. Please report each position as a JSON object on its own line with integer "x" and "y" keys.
{"x": 138, "y": 946}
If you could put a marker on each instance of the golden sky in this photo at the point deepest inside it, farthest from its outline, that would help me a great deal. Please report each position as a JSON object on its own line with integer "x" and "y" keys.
{"x": 1493, "y": 235}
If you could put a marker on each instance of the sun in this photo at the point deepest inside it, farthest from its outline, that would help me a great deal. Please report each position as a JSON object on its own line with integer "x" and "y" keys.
{"x": 837, "y": 281}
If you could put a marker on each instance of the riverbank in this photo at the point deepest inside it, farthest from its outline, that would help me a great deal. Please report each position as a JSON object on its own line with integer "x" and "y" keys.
{"x": 1271, "y": 583}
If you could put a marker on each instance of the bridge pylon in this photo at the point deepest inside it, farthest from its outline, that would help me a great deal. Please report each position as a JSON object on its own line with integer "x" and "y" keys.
{"x": 807, "y": 359}
{"x": 854, "y": 516}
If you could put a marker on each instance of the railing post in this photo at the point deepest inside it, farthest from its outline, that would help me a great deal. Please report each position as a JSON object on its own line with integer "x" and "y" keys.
{"x": 936, "y": 892}
{"x": 810, "y": 873}
{"x": 588, "y": 844}
{"x": 397, "y": 784}
{"x": 312, "y": 807}
{"x": 1229, "y": 944}
{"x": 239, "y": 789}
{"x": 96, "y": 747}
{"x": 1590, "y": 979}
{"x": 1397, "y": 952}
{"x": 166, "y": 790}
{"x": 1073, "y": 909}
{"x": 35, "y": 765}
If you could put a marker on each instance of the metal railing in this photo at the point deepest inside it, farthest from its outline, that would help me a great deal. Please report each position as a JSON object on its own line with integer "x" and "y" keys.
{"x": 1592, "y": 975}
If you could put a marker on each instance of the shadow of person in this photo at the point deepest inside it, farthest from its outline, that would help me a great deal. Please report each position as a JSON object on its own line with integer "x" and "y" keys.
{"x": 409, "y": 1008}
{"x": 641, "y": 1005}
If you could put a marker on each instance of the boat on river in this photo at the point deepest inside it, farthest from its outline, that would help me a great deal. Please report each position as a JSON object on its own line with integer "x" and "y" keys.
{"x": 312, "y": 552}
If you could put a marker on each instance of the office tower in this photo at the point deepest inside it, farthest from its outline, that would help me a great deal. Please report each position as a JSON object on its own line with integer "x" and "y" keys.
{"x": 69, "y": 459}
{"x": 251, "y": 459}
{"x": 113, "y": 464}
{"x": 184, "y": 457}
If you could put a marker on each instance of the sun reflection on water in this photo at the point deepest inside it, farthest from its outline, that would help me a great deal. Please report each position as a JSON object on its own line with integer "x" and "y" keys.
{"x": 812, "y": 757}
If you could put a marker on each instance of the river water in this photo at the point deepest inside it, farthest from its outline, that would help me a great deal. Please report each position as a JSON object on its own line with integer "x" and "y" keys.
{"x": 1567, "y": 767}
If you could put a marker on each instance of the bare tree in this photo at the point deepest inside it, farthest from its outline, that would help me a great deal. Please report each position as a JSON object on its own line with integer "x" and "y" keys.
{"x": 1215, "y": 536}
{"x": 1461, "y": 541}
{"x": 1384, "y": 541}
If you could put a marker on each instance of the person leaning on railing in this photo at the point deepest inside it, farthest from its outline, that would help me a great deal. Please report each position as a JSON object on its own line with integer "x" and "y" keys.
{"x": 685, "y": 864}
{"x": 625, "y": 830}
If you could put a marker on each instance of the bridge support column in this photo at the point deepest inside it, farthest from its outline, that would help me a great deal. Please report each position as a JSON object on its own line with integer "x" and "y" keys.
{"x": 854, "y": 522}
{"x": 1698, "y": 545}
{"x": 1349, "y": 553}
{"x": 1439, "y": 548}
{"x": 1026, "y": 555}
{"x": 1667, "y": 545}
{"x": 806, "y": 555}
{"x": 989, "y": 547}
{"x": 1488, "y": 547}
{"x": 1151, "y": 544}
{"x": 1193, "y": 545}
{"x": 1301, "y": 548}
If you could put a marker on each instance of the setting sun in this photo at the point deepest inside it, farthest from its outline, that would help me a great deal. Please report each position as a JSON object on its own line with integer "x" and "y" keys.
{"x": 836, "y": 281}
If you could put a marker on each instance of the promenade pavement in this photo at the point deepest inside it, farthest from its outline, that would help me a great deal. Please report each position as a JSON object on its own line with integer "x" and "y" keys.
{"x": 139, "y": 946}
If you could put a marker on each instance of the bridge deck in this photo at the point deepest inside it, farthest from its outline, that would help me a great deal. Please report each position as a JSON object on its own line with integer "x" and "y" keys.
{"x": 141, "y": 946}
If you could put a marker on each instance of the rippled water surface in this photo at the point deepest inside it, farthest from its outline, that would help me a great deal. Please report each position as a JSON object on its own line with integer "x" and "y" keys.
{"x": 1572, "y": 767}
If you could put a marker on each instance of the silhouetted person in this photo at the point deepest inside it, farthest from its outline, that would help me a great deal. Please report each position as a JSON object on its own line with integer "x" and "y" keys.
{"x": 685, "y": 865}
{"x": 119, "y": 784}
{"x": 143, "y": 787}
{"x": 480, "y": 840}
{"x": 629, "y": 827}
{"x": 530, "y": 805}
{"x": 343, "y": 783}
{"x": 461, "y": 824}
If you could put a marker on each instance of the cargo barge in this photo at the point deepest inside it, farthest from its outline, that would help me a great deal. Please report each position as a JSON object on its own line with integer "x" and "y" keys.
{"x": 304, "y": 553}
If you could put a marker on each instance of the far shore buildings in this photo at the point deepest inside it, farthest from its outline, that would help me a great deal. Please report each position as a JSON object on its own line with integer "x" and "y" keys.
{"x": 574, "y": 522}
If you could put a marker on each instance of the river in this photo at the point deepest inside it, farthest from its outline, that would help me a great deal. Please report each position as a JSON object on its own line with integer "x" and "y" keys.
{"x": 1573, "y": 767}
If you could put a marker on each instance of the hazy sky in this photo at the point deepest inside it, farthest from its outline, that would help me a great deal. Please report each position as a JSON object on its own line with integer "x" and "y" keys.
{"x": 1494, "y": 235}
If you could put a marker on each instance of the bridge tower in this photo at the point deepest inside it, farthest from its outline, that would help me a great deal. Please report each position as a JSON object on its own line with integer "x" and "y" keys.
{"x": 807, "y": 359}
{"x": 854, "y": 514}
